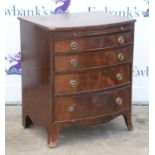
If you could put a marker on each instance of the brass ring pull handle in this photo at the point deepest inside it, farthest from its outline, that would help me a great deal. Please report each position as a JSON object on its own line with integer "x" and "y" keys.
{"x": 120, "y": 56}
{"x": 71, "y": 109}
{"x": 74, "y": 62}
{"x": 119, "y": 100}
{"x": 73, "y": 83}
{"x": 120, "y": 40}
{"x": 121, "y": 28}
{"x": 119, "y": 76}
{"x": 74, "y": 45}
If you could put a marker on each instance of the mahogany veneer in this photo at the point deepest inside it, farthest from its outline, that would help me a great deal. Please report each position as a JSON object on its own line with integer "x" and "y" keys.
{"x": 76, "y": 70}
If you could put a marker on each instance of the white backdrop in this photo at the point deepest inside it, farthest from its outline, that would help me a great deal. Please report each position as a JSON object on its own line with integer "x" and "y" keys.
{"x": 137, "y": 9}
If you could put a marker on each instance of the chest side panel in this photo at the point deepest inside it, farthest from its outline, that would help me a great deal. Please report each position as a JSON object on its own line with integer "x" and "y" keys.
{"x": 36, "y": 84}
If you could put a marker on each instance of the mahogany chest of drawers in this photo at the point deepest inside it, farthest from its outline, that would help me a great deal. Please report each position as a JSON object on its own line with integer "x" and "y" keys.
{"x": 76, "y": 70}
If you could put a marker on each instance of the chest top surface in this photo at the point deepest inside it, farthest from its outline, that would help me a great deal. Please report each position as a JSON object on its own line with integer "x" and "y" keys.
{"x": 74, "y": 20}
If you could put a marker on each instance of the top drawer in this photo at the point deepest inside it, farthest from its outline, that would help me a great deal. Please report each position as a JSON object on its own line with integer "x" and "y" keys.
{"x": 93, "y": 43}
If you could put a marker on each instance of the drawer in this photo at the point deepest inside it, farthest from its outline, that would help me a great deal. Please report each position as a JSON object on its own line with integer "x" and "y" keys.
{"x": 92, "y": 43}
{"x": 94, "y": 59}
{"x": 92, "y": 80}
{"x": 85, "y": 106}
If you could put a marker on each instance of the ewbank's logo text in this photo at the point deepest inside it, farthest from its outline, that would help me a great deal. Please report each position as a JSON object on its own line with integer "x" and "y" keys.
{"x": 61, "y": 7}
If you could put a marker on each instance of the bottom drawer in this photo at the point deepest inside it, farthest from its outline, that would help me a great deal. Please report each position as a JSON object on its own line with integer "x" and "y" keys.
{"x": 85, "y": 106}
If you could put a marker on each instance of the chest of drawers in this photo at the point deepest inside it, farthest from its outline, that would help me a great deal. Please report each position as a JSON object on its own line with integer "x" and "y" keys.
{"x": 76, "y": 70}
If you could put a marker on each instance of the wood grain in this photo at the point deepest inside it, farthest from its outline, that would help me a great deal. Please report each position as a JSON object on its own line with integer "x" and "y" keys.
{"x": 92, "y": 80}
{"x": 91, "y": 60}
{"x": 92, "y": 43}
{"x": 86, "y": 106}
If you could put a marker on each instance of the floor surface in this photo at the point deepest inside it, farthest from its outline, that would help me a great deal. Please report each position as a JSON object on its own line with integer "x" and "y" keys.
{"x": 110, "y": 139}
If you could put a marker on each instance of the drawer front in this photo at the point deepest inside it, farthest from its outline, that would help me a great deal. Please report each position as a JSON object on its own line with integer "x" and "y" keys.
{"x": 90, "y": 60}
{"x": 93, "y": 43}
{"x": 92, "y": 80}
{"x": 85, "y": 106}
